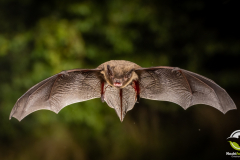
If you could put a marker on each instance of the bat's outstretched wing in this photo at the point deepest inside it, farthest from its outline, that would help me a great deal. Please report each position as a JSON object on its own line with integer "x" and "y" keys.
{"x": 182, "y": 87}
{"x": 58, "y": 91}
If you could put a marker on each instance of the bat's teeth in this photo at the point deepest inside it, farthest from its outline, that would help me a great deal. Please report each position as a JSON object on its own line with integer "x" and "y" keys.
{"x": 117, "y": 84}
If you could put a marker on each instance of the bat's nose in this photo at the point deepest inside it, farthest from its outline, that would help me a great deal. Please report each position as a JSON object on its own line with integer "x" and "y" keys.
{"x": 117, "y": 82}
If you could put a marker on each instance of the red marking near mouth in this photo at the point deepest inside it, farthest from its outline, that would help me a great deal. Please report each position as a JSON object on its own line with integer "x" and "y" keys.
{"x": 117, "y": 84}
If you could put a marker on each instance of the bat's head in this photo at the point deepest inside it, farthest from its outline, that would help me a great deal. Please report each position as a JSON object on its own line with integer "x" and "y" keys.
{"x": 119, "y": 76}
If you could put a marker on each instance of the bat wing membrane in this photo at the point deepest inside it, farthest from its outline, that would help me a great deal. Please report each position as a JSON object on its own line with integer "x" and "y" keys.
{"x": 58, "y": 91}
{"x": 182, "y": 87}
{"x": 122, "y": 100}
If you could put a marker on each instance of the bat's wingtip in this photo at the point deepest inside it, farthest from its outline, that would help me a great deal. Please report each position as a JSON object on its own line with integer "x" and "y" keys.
{"x": 19, "y": 119}
{"x": 225, "y": 111}
{"x": 10, "y": 117}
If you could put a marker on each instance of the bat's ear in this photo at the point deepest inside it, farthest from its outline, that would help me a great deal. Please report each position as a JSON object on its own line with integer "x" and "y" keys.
{"x": 129, "y": 73}
{"x": 109, "y": 71}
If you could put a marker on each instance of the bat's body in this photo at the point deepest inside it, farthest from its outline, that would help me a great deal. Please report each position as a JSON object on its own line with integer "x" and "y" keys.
{"x": 120, "y": 84}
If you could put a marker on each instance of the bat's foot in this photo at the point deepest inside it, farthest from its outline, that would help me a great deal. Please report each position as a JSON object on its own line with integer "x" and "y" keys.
{"x": 138, "y": 99}
{"x": 102, "y": 98}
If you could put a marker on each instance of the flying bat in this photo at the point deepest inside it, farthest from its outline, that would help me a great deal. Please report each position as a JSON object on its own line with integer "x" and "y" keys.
{"x": 121, "y": 84}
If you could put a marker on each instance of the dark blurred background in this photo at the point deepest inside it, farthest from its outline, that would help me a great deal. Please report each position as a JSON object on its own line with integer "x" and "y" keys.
{"x": 42, "y": 38}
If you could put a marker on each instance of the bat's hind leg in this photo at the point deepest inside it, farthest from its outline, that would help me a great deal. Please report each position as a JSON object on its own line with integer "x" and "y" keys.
{"x": 135, "y": 85}
{"x": 102, "y": 92}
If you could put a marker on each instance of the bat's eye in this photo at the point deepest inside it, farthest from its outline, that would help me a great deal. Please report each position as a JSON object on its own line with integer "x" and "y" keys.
{"x": 125, "y": 77}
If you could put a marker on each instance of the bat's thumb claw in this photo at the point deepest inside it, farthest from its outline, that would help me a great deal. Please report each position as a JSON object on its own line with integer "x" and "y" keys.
{"x": 176, "y": 69}
{"x": 63, "y": 73}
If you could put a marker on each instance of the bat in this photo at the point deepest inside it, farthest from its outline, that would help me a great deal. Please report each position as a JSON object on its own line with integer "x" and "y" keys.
{"x": 121, "y": 84}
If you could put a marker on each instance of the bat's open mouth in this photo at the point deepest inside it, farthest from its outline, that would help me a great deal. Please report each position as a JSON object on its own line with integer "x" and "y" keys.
{"x": 117, "y": 84}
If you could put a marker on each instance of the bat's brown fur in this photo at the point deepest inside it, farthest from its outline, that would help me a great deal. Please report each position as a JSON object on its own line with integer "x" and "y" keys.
{"x": 119, "y": 68}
